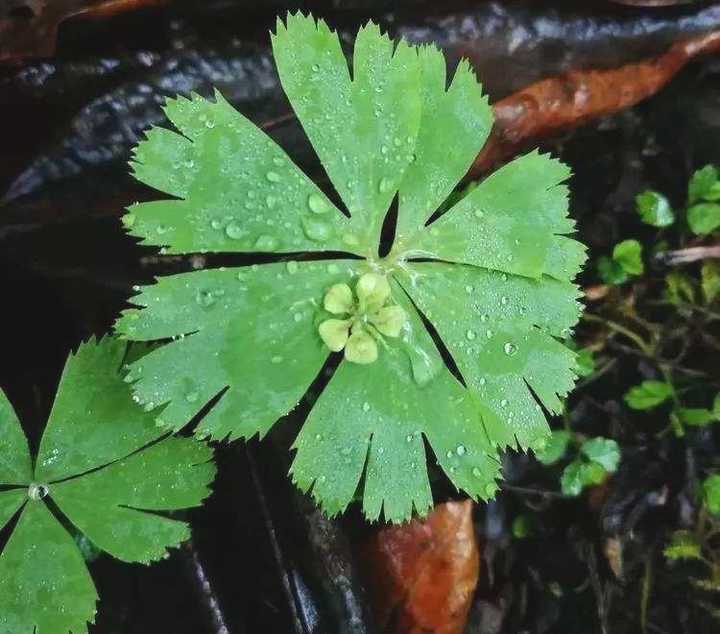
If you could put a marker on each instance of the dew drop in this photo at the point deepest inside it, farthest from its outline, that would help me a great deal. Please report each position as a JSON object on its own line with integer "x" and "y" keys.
{"x": 503, "y": 403}
{"x": 450, "y": 453}
{"x": 270, "y": 201}
{"x": 234, "y": 231}
{"x": 476, "y": 472}
{"x": 216, "y": 224}
{"x": 192, "y": 397}
{"x": 510, "y": 348}
{"x": 266, "y": 243}
{"x": 479, "y": 213}
{"x": 37, "y": 491}
{"x": 292, "y": 267}
{"x": 366, "y": 407}
{"x": 350, "y": 239}
{"x": 273, "y": 177}
{"x": 297, "y": 317}
{"x": 317, "y": 204}
{"x": 461, "y": 450}
{"x": 384, "y": 185}
{"x": 490, "y": 489}
{"x": 276, "y": 359}
{"x": 470, "y": 334}
{"x": 205, "y": 298}
{"x": 316, "y": 229}
{"x": 504, "y": 300}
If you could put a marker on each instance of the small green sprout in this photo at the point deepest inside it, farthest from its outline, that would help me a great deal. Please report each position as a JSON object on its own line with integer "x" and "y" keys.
{"x": 654, "y": 209}
{"x": 367, "y": 318}
{"x": 594, "y": 459}
{"x": 597, "y": 458}
{"x": 683, "y": 545}
{"x": 648, "y": 394}
{"x": 711, "y": 493}
{"x": 626, "y": 261}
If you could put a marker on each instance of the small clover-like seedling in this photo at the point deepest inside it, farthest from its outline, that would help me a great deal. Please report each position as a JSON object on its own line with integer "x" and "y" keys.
{"x": 491, "y": 272}
{"x": 103, "y": 464}
{"x": 626, "y": 261}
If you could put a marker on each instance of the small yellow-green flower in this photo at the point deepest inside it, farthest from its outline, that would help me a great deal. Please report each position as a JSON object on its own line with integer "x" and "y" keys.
{"x": 367, "y": 319}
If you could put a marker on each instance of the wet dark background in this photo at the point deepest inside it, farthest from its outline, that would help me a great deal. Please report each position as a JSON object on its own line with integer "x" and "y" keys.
{"x": 262, "y": 559}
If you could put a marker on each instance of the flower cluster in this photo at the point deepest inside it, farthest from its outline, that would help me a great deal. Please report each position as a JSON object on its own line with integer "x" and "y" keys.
{"x": 367, "y": 316}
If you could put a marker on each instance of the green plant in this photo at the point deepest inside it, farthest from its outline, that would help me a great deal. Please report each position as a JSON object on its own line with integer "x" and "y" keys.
{"x": 108, "y": 470}
{"x": 626, "y": 261}
{"x": 650, "y": 394}
{"x": 654, "y": 209}
{"x": 703, "y": 212}
{"x": 594, "y": 459}
{"x": 700, "y": 544}
{"x": 491, "y": 277}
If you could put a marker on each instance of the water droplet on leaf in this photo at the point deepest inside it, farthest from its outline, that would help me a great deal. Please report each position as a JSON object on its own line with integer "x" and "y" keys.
{"x": 317, "y": 204}
{"x": 316, "y": 229}
{"x": 37, "y": 491}
{"x": 266, "y": 243}
{"x": 510, "y": 348}
{"x": 233, "y": 231}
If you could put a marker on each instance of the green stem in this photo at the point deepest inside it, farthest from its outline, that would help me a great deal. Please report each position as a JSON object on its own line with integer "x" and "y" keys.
{"x": 643, "y": 345}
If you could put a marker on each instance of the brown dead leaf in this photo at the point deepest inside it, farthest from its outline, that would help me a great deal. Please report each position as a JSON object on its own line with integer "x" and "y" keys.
{"x": 423, "y": 574}
{"x": 561, "y": 103}
{"x": 28, "y": 28}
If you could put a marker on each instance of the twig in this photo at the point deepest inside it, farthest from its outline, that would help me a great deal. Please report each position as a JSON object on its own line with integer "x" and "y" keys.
{"x": 529, "y": 491}
{"x": 645, "y": 597}
{"x": 620, "y": 329}
{"x": 598, "y": 589}
{"x": 691, "y": 254}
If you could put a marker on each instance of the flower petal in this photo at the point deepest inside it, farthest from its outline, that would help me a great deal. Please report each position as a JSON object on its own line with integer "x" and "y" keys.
{"x": 339, "y": 299}
{"x": 373, "y": 291}
{"x": 361, "y": 348}
{"x": 389, "y": 320}
{"x": 335, "y": 333}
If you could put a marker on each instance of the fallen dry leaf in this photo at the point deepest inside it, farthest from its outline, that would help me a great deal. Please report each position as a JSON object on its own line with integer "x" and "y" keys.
{"x": 423, "y": 574}
{"x": 28, "y": 28}
{"x": 561, "y": 103}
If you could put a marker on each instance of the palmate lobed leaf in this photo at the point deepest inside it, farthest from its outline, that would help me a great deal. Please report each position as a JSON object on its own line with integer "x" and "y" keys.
{"x": 106, "y": 466}
{"x": 497, "y": 286}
